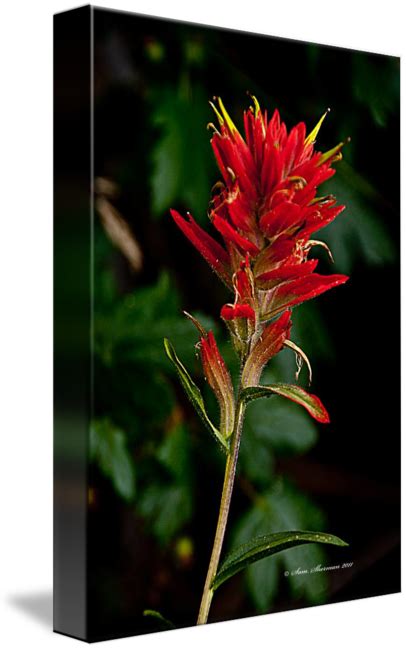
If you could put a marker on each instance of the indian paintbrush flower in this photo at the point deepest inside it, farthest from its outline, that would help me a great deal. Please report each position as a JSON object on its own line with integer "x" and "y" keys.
{"x": 266, "y": 211}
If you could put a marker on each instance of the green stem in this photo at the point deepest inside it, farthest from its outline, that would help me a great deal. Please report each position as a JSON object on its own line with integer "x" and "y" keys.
{"x": 228, "y": 484}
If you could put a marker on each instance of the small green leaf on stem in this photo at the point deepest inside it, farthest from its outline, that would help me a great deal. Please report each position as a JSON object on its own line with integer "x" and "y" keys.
{"x": 194, "y": 394}
{"x": 266, "y": 545}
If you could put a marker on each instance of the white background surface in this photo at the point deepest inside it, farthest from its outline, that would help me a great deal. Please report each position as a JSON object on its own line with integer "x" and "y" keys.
{"x": 26, "y": 325}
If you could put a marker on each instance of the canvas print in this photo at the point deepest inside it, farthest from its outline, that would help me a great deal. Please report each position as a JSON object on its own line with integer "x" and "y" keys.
{"x": 242, "y": 431}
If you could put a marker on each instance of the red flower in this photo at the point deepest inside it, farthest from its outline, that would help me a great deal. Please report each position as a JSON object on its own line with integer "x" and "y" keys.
{"x": 266, "y": 211}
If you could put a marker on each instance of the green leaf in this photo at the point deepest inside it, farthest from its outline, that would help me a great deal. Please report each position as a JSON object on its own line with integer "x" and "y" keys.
{"x": 174, "y": 454}
{"x": 108, "y": 449}
{"x": 182, "y": 162}
{"x": 131, "y": 330}
{"x": 168, "y": 504}
{"x": 266, "y": 545}
{"x": 167, "y": 508}
{"x": 256, "y": 459}
{"x": 359, "y": 232}
{"x": 310, "y": 402}
{"x": 283, "y": 507}
{"x": 193, "y": 393}
{"x": 262, "y": 580}
{"x": 165, "y": 623}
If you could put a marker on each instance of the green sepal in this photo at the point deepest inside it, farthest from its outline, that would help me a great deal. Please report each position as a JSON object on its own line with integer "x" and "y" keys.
{"x": 194, "y": 394}
{"x": 266, "y": 545}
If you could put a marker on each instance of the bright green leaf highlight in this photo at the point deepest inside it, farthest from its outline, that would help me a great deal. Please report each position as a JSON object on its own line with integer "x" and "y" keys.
{"x": 266, "y": 545}
{"x": 193, "y": 393}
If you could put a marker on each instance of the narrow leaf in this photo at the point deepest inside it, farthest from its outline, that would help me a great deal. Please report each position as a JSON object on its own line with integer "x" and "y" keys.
{"x": 311, "y": 403}
{"x": 193, "y": 393}
{"x": 164, "y": 621}
{"x": 266, "y": 545}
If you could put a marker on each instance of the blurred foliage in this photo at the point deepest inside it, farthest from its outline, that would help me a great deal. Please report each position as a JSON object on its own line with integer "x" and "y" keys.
{"x": 143, "y": 426}
{"x": 181, "y": 156}
{"x": 108, "y": 450}
{"x": 360, "y": 232}
{"x": 282, "y": 507}
{"x": 169, "y": 505}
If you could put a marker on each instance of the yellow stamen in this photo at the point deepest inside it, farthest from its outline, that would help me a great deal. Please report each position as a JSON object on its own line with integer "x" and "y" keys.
{"x": 311, "y": 138}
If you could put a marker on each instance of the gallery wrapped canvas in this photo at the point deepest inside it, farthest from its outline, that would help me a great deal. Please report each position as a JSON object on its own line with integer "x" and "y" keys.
{"x": 227, "y": 427}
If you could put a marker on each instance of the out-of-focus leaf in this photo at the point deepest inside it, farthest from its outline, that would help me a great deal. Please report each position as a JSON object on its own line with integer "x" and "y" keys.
{"x": 108, "y": 449}
{"x": 167, "y": 503}
{"x": 133, "y": 330}
{"x": 282, "y": 507}
{"x": 262, "y": 579}
{"x": 182, "y": 158}
{"x": 360, "y": 229}
{"x": 167, "y": 508}
{"x": 174, "y": 453}
{"x": 283, "y": 427}
{"x": 265, "y": 546}
{"x": 273, "y": 428}
{"x": 295, "y": 393}
{"x": 376, "y": 85}
{"x": 194, "y": 394}
{"x": 256, "y": 460}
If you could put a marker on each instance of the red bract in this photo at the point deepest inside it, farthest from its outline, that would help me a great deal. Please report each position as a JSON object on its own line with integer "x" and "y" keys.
{"x": 266, "y": 209}
{"x": 219, "y": 379}
{"x": 213, "y": 253}
{"x": 270, "y": 343}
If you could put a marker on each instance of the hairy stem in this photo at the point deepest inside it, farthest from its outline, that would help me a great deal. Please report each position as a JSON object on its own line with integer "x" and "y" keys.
{"x": 228, "y": 484}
